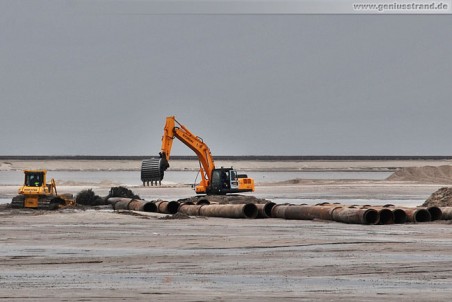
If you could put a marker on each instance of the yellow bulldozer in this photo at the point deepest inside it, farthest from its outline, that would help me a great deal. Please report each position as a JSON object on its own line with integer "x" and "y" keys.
{"x": 37, "y": 193}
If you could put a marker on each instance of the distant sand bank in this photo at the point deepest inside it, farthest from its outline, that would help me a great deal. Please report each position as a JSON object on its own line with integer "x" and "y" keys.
{"x": 244, "y": 165}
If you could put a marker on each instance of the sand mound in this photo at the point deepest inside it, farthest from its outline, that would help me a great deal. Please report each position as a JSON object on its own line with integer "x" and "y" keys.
{"x": 430, "y": 174}
{"x": 441, "y": 198}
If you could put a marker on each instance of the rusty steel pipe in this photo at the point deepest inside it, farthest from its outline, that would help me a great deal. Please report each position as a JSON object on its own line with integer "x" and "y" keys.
{"x": 297, "y": 212}
{"x": 190, "y": 209}
{"x": 264, "y": 210}
{"x": 386, "y": 215}
{"x": 248, "y": 210}
{"x": 278, "y": 211}
{"x": 149, "y": 206}
{"x": 136, "y": 205}
{"x": 417, "y": 215}
{"x": 446, "y": 213}
{"x": 142, "y": 205}
{"x": 399, "y": 216}
{"x": 322, "y": 212}
{"x": 435, "y": 213}
{"x": 355, "y": 215}
{"x": 306, "y": 212}
{"x": 167, "y": 207}
{"x": 303, "y": 212}
{"x": 113, "y": 200}
{"x": 122, "y": 204}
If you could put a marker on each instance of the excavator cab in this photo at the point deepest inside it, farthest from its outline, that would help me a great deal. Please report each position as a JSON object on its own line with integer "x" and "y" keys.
{"x": 223, "y": 181}
{"x": 226, "y": 180}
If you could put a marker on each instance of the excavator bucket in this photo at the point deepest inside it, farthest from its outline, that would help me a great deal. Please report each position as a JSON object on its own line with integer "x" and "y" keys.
{"x": 152, "y": 170}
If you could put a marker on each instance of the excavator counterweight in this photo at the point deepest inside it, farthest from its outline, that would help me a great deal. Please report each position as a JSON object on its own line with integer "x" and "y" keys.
{"x": 214, "y": 181}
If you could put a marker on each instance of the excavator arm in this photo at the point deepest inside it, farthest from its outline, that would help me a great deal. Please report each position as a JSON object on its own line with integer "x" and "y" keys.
{"x": 173, "y": 129}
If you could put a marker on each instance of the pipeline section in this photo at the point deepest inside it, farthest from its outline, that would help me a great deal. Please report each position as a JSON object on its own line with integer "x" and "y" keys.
{"x": 130, "y": 204}
{"x": 366, "y": 214}
{"x": 167, "y": 207}
{"x": 264, "y": 210}
{"x": 326, "y": 212}
{"x": 248, "y": 210}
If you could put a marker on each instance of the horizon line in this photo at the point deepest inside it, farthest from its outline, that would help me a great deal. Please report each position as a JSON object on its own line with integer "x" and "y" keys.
{"x": 230, "y": 157}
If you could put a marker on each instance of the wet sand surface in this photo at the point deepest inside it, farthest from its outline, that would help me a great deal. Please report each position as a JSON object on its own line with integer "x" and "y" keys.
{"x": 102, "y": 255}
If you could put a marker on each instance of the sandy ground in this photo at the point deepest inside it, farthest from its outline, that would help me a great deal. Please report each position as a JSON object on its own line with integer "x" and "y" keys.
{"x": 101, "y": 255}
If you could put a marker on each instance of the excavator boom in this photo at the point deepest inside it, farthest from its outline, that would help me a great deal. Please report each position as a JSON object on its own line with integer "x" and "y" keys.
{"x": 173, "y": 129}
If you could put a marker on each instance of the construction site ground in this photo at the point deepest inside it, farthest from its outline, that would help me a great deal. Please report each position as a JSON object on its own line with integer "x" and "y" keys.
{"x": 86, "y": 254}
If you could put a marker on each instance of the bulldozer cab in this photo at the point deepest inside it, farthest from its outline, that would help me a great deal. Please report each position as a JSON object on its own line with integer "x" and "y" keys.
{"x": 34, "y": 178}
{"x": 37, "y": 193}
{"x": 35, "y": 183}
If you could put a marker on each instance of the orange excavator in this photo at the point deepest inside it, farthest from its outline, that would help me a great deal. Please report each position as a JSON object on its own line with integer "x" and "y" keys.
{"x": 214, "y": 181}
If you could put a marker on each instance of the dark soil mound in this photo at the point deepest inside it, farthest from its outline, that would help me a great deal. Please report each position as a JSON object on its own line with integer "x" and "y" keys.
{"x": 122, "y": 192}
{"x": 89, "y": 198}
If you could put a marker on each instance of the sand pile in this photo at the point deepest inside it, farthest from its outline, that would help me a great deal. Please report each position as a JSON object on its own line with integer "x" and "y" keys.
{"x": 441, "y": 198}
{"x": 429, "y": 174}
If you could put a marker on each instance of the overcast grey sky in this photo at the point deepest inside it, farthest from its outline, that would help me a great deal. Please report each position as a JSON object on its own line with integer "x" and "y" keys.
{"x": 81, "y": 78}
